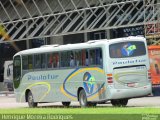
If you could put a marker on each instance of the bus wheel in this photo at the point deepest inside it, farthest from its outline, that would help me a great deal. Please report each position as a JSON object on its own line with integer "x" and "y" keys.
{"x": 119, "y": 103}
{"x": 92, "y": 104}
{"x": 123, "y": 102}
{"x": 66, "y": 104}
{"x": 115, "y": 103}
{"x": 83, "y": 99}
{"x": 30, "y": 100}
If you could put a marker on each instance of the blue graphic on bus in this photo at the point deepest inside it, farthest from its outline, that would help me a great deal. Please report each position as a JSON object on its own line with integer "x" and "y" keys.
{"x": 88, "y": 82}
{"x": 128, "y": 49}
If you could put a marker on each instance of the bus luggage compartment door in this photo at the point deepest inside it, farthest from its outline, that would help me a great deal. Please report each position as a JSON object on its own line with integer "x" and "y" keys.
{"x": 130, "y": 77}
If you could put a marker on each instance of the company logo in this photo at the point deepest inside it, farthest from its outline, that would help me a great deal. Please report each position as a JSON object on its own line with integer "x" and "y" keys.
{"x": 128, "y": 49}
{"x": 122, "y": 62}
{"x": 42, "y": 77}
{"x": 88, "y": 82}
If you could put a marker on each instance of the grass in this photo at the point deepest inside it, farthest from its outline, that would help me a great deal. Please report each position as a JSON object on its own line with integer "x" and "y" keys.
{"x": 77, "y": 113}
{"x": 96, "y": 110}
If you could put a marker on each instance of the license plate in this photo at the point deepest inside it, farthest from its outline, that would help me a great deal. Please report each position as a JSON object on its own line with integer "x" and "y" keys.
{"x": 131, "y": 84}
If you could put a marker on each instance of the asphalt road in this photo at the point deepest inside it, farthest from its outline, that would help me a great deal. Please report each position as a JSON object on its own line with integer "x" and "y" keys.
{"x": 10, "y": 102}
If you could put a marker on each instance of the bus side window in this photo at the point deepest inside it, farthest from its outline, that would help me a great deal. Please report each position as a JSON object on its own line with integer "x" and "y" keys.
{"x": 37, "y": 61}
{"x": 101, "y": 57}
{"x": 55, "y": 60}
{"x": 65, "y": 59}
{"x": 78, "y": 56}
{"x": 92, "y": 57}
{"x": 62, "y": 64}
{"x": 83, "y": 57}
{"x": 49, "y": 60}
{"x": 30, "y": 62}
{"x": 87, "y": 59}
{"x": 25, "y": 62}
{"x": 72, "y": 60}
{"x": 98, "y": 56}
{"x": 43, "y": 59}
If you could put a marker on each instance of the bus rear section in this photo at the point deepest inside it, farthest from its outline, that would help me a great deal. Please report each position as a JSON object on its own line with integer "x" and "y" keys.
{"x": 128, "y": 72}
{"x": 154, "y": 56}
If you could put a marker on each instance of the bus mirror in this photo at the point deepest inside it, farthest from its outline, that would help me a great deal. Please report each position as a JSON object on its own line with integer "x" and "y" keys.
{"x": 8, "y": 72}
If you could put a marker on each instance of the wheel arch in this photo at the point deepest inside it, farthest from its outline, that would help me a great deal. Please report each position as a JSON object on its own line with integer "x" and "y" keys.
{"x": 26, "y": 94}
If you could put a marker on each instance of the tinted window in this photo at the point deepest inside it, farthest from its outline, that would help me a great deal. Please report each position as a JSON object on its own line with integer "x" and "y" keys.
{"x": 16, "y": 71}
{"x": 55, "y": 60}
{"x": 49, "y": 60}
{"x": 127, "y": 49}
{"x": 66, "y": 58}
{"x": 78, "y": 58}
{"x": 25, "y": 62}
{"x": 98, "y": 56}
{"x": 37, "y": 61}
{"x": 30, "y": 62}
{"x": 43, "y": 59}
{"x": 92, "y": 57}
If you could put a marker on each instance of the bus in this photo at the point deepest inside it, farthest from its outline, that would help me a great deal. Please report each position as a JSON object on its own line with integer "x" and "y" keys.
{"x": 8, "y": 75}
{"x": 91, "y": 73}
{"x": 154, "y": 56}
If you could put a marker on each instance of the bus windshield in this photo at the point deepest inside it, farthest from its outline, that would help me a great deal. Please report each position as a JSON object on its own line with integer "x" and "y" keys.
{"x": 127, "y": 49}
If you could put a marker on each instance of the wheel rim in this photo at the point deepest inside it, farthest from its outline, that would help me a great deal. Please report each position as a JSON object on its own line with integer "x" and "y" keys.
{"x": 30, "y": 99}
{"x": 83, "y": 99}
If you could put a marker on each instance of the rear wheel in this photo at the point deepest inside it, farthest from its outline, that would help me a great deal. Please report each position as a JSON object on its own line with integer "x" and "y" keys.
{"x": 119, "y": 103}
{"x": 115, "y": 103}
{"x": 123, "y": 102}
{"x": 83, "y": 99}
{"x": 30, "y": 100}
{"x": 90, "y": 104}
{"x": 66, "y": 104}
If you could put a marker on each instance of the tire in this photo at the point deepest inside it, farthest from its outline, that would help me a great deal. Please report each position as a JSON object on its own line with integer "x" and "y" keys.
{"x": 119, "y": 103}
{"x": 115, "y": 103}
{"x": 90, "y": 104}
{"x": 123, "y": 102}
{"x": 30, "y": 100}
{"x": 66, "y": 104}
{"x": 83, "y": 99}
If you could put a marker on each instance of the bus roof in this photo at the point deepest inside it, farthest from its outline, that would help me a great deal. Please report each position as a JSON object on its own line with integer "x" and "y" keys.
{"x": 153, "y": 47}
{"x": 89, "y": 44}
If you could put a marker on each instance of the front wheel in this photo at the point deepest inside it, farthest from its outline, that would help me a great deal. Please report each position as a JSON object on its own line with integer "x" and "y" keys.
{"x": 83, "y": 99}
{"x": 30, "y": 100}
{"x": 66, "y": 104}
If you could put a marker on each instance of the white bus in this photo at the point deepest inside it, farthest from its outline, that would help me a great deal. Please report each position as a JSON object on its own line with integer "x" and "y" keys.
{"x": 92, "y": 72}
{"x": 8, "y": 75}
